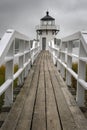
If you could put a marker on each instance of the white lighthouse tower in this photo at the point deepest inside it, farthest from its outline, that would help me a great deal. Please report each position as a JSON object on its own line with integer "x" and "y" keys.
{"x": 46, "y": 31}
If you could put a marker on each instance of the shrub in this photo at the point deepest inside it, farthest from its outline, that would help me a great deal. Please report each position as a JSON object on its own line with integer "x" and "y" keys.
{"x": 75, "y": 69}
{"x": 2, "y": 74}
{"x": 15, "y": 68}
{"x": 2, "y": 80}
{"x": 16, "y": 80}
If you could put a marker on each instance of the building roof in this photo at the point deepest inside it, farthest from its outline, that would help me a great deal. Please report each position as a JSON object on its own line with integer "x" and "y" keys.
{"x": 47, "y": 17}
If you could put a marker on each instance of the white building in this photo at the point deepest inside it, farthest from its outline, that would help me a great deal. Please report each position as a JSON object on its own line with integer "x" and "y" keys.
{"x": 46, "y": 31}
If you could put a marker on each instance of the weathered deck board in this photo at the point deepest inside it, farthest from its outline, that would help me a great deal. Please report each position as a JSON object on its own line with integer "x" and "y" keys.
{"x": 53, "y": 121}
{"x": 39, "y": 119}
{"x": 44, "y": 102}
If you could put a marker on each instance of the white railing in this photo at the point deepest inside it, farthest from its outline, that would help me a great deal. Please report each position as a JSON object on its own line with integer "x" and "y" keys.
{"x": 48, "y": 27}
{"x": 15, "y": 48}
{"x": 64, "y": 55}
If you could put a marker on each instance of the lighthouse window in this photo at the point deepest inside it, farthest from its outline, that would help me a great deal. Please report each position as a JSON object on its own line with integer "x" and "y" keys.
{"x": 49, "y": 22}
{"x": 45, "y": 22}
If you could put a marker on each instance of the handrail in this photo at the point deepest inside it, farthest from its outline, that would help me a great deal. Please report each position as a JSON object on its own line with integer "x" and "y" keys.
{"x": 24, "y": 55}
{"x": 63, "y": 56}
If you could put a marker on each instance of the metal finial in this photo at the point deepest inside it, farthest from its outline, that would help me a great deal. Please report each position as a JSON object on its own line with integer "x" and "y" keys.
{"x": 47, "y": 12}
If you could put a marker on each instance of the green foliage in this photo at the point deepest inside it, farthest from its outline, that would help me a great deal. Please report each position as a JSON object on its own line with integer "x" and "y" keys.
{"x": 2, "y": 74}
{"x": 15, "y": 68}
{"x": 75, "y": 69}
{"x": 2, "y": 80}
{"x": 16, "y": 80}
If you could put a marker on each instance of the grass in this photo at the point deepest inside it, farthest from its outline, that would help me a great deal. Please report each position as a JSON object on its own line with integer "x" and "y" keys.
{"x": 2, "y": 80}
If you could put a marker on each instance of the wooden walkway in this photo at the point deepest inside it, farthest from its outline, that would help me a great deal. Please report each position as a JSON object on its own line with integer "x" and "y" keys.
{"x": 44, "y": 102}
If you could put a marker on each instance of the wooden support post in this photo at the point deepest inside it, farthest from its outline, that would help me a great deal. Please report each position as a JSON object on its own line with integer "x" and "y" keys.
{"x": 62, "y": 71}
{"x": 62, "y": 58}
{"x": 9, "y": 75}
{"x": 69, "y": 62}
{"x": 68, "y": 78}
{"x": 80, "y": 97}
{"x": 21, "y": 61}
{"x": 58, "y": 66}
{"x": 54, "y": 59}
{"x": 21, "y": 77}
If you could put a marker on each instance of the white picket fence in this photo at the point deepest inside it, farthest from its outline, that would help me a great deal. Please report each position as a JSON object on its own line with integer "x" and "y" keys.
{"x": 63, "y": 55}
{"x": 16, "y": 46}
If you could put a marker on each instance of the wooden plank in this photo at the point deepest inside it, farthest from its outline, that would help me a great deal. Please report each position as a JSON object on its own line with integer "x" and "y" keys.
{"x": 67, "y": 120}
{"x": 53, "y": 122}
{"x": 52, "y": 114}
{"x": 39, "y": 121}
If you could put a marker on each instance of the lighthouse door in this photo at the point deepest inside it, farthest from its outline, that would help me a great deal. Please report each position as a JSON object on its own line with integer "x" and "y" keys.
{"x": 44, "y": 43}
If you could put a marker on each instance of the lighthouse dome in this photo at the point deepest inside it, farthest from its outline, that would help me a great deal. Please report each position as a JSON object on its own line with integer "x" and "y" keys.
{"x": 47, "y": 17}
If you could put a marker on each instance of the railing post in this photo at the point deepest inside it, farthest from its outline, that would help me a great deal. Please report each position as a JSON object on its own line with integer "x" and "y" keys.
{"x": 26, "y": 57}
{"x": 62, "y": 69}
{"x": 33, "y": 52}
{"x": 80, "y": 97}
{"x": 21, "y": 61}
{"x": 29, "y": 57}
{"x": 54, "y": 54}
{"x": 69, "y": 62}
{"x": 9, "y": 75}
{"x": 68, "y": 78}
{"x": 68, "y": 75}
{"x": 58, "y": 63}
{"x": 62, "y": 57}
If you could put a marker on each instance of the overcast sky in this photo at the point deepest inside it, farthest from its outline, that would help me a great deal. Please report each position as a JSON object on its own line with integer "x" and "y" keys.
{"x": 24, "y": 15}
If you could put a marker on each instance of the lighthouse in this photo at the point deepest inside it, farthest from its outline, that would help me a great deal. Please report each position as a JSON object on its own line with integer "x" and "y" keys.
{"x": 46, "y": 31}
